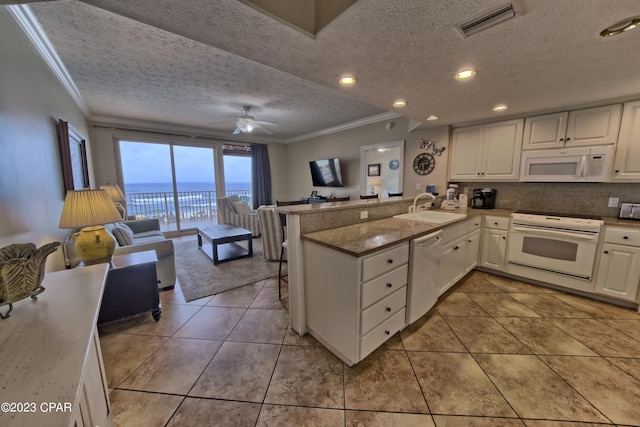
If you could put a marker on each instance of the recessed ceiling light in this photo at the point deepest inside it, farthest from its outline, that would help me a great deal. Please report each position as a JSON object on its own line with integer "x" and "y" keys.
{"x": 432, "y": 117}
{"x": 347, "y": 80}
{"x": 400, "y": 103}
{"x": 465, "y": 74}
{"x": 500, "y": 107}
{"x": 621, "y": 27}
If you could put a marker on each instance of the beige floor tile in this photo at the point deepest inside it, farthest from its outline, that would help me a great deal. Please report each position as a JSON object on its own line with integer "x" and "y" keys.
{"x": 259, "y": 325}
{"x": 268, "y": 297}
{"x": 275, "y": 415}
{"x": 393, "y": 343}
{"x": 454, "y": 384}
{"x": 534, "y": 390}
{"x": 238, "y": 371}
{"x": 307, "y": 376}
{"x": 599, "y": 337}
{"x": 387, "y": 419}
{"x": 239, "y": 297}
{"x": 512, "y": 285}
{"x": 543, "y": 337}
{"x": 545, "y": 423}
{"x": 430, "y": 333}
{"x": 547, "y": 305}
{"x": 630, "y": 366}
{"x": 459, "y": 304}
{"x": 173, "y": 317}
{"x": 124, "y": 353}
{"x": 294, "y": 338}
{"x": 598, "y": 309}
{"x": 502, "y": 305}
{"x": 139, "y": 409}
{"x": 476, "y": 283}
{"x": 484, "y": 335}
{"x": 174, "y": 367}
{"x": 455, "y": 421}
{"x": 370, "y": 384}
{"x": 611, "y": 390}
{"x": 212, "y": 323}
{"x": 175, "y": 296}
{"x": 627, "y": 327}
{"x": 195, "y": 412}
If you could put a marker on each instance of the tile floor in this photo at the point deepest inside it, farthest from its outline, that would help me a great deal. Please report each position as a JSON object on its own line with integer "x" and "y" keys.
{"x": 493, "y": 352}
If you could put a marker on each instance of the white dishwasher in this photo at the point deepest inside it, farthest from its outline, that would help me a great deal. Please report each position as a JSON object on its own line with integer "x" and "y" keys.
{"x": 425, "y": 254}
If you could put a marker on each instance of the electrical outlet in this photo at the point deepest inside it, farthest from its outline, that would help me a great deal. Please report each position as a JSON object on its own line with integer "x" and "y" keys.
{"x": 417, "y": 186}
{"x": 613, "y": 202}
{"x": 364, "y": 214}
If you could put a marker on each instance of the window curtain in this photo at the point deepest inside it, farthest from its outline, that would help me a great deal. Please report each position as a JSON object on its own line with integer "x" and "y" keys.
{"x": 261, "y": 173}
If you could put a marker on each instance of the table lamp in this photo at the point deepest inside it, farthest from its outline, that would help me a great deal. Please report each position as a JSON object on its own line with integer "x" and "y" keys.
{"x": 116, "y": 194}
{"x": 90, "y": 209}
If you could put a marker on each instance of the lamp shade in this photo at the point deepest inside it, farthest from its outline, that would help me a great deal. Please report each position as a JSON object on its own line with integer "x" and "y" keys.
{"x": 114, "y": 192}
{"x": 86, "y": 208}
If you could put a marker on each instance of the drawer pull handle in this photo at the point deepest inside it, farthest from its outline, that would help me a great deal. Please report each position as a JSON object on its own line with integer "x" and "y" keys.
{"x": 388, "y": 308}
{"x": 606, "y": 252}
{"x": 387, "y": 333}
{"x": 495, "y": 223}
{"x": 625, "y": 237}
{"x": 389, "y": 285}
{"x": 455, "y": 248}
{"x": 390, "y": 261}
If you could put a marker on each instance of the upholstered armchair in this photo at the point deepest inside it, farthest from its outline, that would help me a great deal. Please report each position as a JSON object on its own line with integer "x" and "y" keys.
{"x": 231, "y": 210}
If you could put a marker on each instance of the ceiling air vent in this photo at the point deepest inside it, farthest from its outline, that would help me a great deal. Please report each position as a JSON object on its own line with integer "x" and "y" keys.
{"x": 487, "y": 20}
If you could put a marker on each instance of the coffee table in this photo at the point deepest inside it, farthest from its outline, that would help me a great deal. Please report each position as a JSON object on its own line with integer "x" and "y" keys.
{"x": 224, "y": 240}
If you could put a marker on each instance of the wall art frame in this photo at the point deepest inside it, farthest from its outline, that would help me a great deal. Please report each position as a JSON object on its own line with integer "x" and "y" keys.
{"x": 373, "y": 169}
{"x": 73, "y": 157}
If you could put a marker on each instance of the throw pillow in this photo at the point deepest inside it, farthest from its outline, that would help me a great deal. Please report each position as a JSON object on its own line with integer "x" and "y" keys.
{"x": 123, "y": 234}
{"x": 242, "y": 208}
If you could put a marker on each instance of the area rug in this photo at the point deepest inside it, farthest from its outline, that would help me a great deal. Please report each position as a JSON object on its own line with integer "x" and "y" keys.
{"x": 199, "y": 278}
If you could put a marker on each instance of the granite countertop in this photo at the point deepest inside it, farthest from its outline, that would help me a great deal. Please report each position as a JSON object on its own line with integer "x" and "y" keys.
{"x": 368, "y": 237}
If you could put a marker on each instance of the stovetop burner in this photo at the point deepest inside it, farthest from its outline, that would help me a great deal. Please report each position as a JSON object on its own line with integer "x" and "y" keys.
{"x": 564, "y": 215}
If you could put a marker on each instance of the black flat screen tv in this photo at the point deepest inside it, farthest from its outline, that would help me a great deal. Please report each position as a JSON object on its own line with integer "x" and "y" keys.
{"x": 326, "y": 173}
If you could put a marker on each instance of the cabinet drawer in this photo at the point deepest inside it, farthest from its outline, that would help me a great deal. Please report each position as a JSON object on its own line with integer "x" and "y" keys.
{"x": 499, "y": 222}
{"x": 453, "y": 232}
{"x": 382, "y": 310}
{"x": 382, "y": 262}
{"x": 384, "y": 285}
{"x": 474, "y": 224}
{"x": 381, "y": 333}
{"x": 622, "y": 236}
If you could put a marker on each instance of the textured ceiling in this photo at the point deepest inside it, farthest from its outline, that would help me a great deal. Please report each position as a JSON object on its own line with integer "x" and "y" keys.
{"x": 196, "y": 62}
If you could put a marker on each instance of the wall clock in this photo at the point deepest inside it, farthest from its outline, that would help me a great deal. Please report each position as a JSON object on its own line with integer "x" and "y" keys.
{"x": 393, "y": 164}
{"x": 424, "y": 163}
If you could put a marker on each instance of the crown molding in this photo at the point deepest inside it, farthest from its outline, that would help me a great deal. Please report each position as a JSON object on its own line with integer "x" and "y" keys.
{"x": 344, "y": 126}
{"x": 31, "y": 27}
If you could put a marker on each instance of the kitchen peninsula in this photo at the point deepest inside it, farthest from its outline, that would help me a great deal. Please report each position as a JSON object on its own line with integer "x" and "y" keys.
{"x": 349, "y": 277}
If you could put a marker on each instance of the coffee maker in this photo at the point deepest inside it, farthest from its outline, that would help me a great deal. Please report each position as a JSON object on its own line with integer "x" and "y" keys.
{"x": 484, "y": 198}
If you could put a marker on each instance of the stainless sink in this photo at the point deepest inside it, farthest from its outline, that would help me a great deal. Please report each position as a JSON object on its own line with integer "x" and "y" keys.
{"x": 432, "y": 217}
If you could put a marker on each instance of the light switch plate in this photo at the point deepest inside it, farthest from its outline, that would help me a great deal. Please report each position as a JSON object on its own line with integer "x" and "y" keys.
{"x": 613, "y": 202}
{"x": 417, "y": 186}
{"x": 364, "y": 214}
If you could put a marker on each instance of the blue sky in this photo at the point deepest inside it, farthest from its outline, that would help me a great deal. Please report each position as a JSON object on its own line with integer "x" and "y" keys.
{"x": 147, "y": 163}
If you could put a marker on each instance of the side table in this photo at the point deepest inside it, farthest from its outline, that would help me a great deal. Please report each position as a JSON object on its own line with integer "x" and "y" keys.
{"x": 131, "y": 287}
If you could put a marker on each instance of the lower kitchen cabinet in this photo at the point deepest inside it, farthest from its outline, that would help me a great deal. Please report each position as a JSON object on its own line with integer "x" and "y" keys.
{"x": 619, "y": 268}
{"x": 354, "y": 304}
{"x": 460, "y": 246}
{"x": 494, "y": 242}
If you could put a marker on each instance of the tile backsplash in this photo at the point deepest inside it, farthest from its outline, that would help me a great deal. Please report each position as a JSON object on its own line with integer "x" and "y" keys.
{"x": 575, "y": 198}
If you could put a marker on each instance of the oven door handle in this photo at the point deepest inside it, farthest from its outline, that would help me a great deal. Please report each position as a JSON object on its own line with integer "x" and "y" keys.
{"x": 555, "y": 233}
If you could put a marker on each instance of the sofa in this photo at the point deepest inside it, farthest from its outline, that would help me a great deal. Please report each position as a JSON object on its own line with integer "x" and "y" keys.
{"x": 232, "y": 210}
{"x": 137, "y": 236}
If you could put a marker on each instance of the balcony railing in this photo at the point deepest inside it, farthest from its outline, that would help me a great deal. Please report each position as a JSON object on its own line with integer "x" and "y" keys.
{"x": 192, "y": 205}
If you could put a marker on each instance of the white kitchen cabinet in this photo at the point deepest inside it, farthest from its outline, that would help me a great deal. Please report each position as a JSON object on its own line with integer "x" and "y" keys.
{"x": 459, "y": 252}
{"x": 494, "y": 242}
{"x": 619, "y": 268}
{"x": 626, "y": 165}
{"x": 354, "y": 304}
{"x": 488, "y": 152}
{"x": 579, "y": 128}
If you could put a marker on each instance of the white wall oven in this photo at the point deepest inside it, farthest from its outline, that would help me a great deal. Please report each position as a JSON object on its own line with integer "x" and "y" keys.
{"x": 554, "y": 243}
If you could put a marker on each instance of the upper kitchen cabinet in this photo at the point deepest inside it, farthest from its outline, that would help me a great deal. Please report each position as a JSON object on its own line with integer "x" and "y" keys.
{"x": 591, "y": 126}
{"x": 626, "y": 166}
{"x": 488, "y": 152}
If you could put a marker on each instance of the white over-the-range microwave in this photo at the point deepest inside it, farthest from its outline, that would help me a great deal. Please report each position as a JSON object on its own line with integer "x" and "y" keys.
{"x": 579, "y": 164}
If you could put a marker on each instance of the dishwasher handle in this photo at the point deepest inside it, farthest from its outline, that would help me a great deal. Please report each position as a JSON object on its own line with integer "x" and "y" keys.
{"x": 428, "y": 241}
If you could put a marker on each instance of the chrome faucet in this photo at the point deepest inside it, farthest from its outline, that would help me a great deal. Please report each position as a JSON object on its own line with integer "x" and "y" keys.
{"x": 422, "y": 207}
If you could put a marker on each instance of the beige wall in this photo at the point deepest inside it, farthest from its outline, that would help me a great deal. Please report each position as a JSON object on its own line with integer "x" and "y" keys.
{"x": 31, "y": 102}
{"x": 346, "y": 145}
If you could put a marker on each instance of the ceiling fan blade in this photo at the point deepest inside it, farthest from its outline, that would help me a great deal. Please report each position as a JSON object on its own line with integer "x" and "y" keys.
{"x": 237, "y": 131}
{"x": 264, "y": 129}
{"x": 262, "y": 122}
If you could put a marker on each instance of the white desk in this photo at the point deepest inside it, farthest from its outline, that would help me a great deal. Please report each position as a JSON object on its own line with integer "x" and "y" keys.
{"x": 50, "y": 358}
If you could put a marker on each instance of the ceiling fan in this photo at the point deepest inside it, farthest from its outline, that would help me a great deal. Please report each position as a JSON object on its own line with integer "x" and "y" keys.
{"x": 247, "y": 123}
